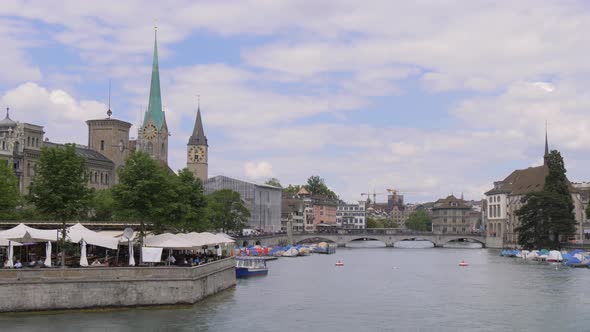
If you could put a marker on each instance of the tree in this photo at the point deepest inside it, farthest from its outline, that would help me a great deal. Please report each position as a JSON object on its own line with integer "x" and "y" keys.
{"x": 292, "y": 189}
{"x": 226, "y": 210}
{"x": 59, "y": 187}
{"x": 547, "y": 217}
{"x": 274, "y": 182}
{"x": 102, "y": 205}
{"x": 317, "y": 186}
{"x": 419, "y": 221}
{"x": 144, "y": 191}
{"x": 188, "y": 212}
{"x": 9, "y": 194}
{"x": 373, "y": 222}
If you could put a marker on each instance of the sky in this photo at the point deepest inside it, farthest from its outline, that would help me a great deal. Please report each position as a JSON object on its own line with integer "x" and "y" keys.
{"x": 427, "y": 97}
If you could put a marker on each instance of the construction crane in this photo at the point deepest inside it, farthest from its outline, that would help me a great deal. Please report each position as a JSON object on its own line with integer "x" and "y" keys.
{"x": 374, "y": 194}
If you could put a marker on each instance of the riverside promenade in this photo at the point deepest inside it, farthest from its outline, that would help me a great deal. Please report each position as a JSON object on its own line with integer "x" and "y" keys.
{"x": 102, "y": 287}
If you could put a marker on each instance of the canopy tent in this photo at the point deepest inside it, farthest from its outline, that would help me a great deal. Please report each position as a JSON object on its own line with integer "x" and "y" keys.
{"x": 196, "y": 239}
{"x": 225, "y": 236}
{"x": 169, "y": 241}
{"x": 25, "y": 234}
{"x": 217, "y": 239}
{"x": 118, "y": 235}
{"x": 79, "y": 233}
{"x": 6, "y": 243}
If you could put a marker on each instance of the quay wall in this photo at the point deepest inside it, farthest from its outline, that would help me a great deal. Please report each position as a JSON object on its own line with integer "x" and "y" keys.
{"x": 77, "y": 288}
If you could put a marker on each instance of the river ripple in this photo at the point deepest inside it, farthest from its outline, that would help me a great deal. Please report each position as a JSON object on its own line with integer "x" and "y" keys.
{"x": 379, "y": 289}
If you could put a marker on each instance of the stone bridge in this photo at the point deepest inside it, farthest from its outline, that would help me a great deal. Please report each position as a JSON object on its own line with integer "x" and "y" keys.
{"x": 343, "y": 236}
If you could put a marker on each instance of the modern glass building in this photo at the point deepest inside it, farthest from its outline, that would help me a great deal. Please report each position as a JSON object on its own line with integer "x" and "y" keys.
{"x": 263, "y": 201}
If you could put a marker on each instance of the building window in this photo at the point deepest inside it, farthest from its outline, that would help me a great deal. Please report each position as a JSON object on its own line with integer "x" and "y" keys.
{"x": 28, "y": 169}
{"x": 95, "y": 177}
{"x": 37, "y": 142}
{"x": 106, "y": 179}
{"x": 101, "y": 178}
{"x": 101, "y": 145}
{"x": 28, "y": 140}
{"x": 3, "y": 145}
{"x": 150, "y": 149}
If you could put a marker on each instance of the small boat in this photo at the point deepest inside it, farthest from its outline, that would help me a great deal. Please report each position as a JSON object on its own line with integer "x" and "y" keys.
{"x": 339, "y": 263}
{"x": 463, "y": 263}
{"x": 250, "y": 267}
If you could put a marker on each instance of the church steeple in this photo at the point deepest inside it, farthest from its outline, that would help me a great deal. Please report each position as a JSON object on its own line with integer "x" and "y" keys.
{"x": 546, "y": 155}
{"x": 154, "y": 111}
{"x": 198, "y": 137}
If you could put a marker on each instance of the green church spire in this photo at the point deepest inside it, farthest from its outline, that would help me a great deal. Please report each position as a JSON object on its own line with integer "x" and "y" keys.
{"x": 154, "y": 111}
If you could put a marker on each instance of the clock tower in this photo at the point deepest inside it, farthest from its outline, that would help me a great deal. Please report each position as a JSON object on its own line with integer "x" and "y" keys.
{"x": 153, "y": 133}
{"x": 198, "y": 150}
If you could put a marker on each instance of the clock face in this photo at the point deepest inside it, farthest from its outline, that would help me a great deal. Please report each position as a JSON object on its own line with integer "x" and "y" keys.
{"x": 150, "y": 131}
{"x": 121, "y": 146}
{"x": 197, "y": 154}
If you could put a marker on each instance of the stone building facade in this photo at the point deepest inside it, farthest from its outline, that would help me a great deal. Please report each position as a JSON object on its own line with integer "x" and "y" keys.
{"x": 451, "y": 215}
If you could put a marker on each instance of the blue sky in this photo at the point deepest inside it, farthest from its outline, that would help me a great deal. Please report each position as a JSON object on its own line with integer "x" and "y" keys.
{"x": 436, "y": 97}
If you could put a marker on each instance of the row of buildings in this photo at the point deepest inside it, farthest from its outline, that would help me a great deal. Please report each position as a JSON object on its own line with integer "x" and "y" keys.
{"x": 306, "y": 212}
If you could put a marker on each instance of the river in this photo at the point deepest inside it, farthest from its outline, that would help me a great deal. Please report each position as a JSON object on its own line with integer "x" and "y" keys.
{"x": 378, "y": 289}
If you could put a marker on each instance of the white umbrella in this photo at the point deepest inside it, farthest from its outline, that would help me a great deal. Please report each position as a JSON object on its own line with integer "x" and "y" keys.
{"x": 131, "y": 259}
{"x": 83, "y": 258}
{"x": 10, "y": 253}
{"x": 48, "y": 254}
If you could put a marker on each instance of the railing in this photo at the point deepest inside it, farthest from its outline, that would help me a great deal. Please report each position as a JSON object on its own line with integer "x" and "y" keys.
{"x": 385, "y": 231}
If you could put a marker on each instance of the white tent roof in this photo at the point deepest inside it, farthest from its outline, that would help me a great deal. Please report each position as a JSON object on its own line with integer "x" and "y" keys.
{"x": 118, "y": 235}
{"x": 217, "y": 239}
{"x": 4, "y": 243}
{"x": 168, "y": 240}
{"x": 225, "y": 236}
{"x": 198, "y": 240}
{"x": 78, "y": 233}
{"x": 24, "y": 233}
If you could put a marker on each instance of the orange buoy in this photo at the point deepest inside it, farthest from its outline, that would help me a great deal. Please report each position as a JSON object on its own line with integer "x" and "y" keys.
{"x": 463, "y": 263}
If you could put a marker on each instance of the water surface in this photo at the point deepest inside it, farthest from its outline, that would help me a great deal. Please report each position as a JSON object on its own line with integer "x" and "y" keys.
{"x": 379, "y": 289}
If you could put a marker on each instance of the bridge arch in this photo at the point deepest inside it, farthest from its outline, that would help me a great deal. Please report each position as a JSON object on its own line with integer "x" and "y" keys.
{"x": 314, "y": 239}
{"x": 469, "y": 238}
{"x": 397, "y": 243}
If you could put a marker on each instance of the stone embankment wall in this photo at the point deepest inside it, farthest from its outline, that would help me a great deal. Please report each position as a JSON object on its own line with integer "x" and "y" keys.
{"x": 76, "y": 288}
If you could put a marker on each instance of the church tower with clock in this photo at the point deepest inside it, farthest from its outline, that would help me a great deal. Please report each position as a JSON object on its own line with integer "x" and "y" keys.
{"x": 153, "y": 133}
{"x": 198, "y": 150}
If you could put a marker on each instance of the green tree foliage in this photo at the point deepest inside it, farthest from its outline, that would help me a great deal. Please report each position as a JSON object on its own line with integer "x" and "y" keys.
{"x": 144, "y": 191}
{"x": 292, "y": 189}
{"x": 373, "y": 222}
{"x": 419, "y": 221}
{"x": 102, "y": 205}
{"x": 226, "y": 210}
{"x": 59, "y": 187}
{"x": 317, "y": 186}
{"x": 274, "y": 182}
{"x": 547, "y": 217}
{"x": 188, "y": 211}
{"x": 9, "y": 195}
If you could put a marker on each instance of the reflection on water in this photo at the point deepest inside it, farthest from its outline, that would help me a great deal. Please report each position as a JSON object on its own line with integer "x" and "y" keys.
{"x": 378, "y": 289}
{"x": 463, "y": 245}
{"x": 418, "y": 244}
{"x": 365, "y": 244}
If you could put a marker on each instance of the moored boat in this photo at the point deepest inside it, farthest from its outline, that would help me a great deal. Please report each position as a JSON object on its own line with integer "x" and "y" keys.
{"x": 249, "y": 267}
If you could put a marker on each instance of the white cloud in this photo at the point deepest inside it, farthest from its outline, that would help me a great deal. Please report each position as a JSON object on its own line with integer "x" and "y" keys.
{"x": 258, "y": 169}
{"x": 60, "y": 113}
